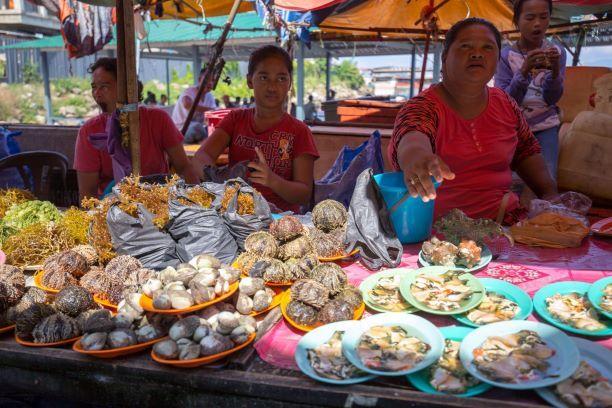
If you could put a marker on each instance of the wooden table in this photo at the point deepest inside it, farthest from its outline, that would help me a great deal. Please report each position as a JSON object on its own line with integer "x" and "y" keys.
{"x": 191, "y": 150}
{"x": 138, "y": 381}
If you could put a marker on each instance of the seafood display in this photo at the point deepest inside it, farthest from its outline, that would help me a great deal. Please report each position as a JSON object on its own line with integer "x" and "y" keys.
{"x": 328, "y": 361}
{"x": 443, "y": 292}
{"x": 514, "y": 358}
{"x": 201, "y": 280}
{"x": 585, "y": 388}
{"x": 444, "y": 253}
{"x": 606, "y": 299}
{"x": 493, "y": 308}
{"x": 386, "y": 294}
{"x": 448, "y": 374}
{"x": 456, "y": 227}
{"x": 324, "y": 298}
{"x": 253, "y": 295}
{"x": 574, "y": 310}
{"x": 245, "y": 202}
{"x": 330, "y": 219}
{"x": 390, "y": 348}
{"x": 217, "y": 329}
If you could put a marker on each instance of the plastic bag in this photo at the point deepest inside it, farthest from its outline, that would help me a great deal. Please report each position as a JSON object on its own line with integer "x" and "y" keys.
{"x": 570, "y": 204}
{"x": 552, "y": 230}
{"x": 220, "y": 175}
{"x": 241, "y": 226}
{"x": 140, "y": 238}
{"x": 369, "y": 226}
{"x": 199, "y": 230}
{"x": 339, "y": 182}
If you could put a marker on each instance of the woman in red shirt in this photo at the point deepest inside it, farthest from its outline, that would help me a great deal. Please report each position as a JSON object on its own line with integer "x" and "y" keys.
{"x": 467, "y": 134}
{"x": 280, "y": 148}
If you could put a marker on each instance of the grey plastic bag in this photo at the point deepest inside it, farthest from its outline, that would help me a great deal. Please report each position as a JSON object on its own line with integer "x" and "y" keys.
{"x": 198, "y": 230}
{"x": 370, "y": 228}
{"x": 221, "y": 174}
{"x": 140, "y": 238}
{"x": 241, "y": 226}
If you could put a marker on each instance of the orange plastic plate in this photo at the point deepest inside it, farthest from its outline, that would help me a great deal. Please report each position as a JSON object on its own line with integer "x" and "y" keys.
{"x": 118, "y": 352}
{"x": 106, "y": 304}
{"x": 276, "y": 300}
{"x": 6, "y": 329}
{"x": 603, "y": 227}
{"x": 38, "y": 282}
{"x": 340, "y": 257}
{"x": 57, "y": 343}
{"x": 147, "y": 303}
{"x": 202, "y": 360}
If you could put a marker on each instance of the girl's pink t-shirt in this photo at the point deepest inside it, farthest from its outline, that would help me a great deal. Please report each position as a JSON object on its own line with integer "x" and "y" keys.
{"x": 481, "y": 152}
{"x": 280, "y": 144}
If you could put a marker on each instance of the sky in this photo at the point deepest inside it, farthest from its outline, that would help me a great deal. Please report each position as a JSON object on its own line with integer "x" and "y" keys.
{"x": 590, "y": 56}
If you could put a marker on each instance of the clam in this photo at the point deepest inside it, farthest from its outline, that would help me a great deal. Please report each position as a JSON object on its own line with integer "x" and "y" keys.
{"x": 247, "y": 321}
{"x": 150, "y": 286}
{"x": 180, "y": 299}
{"x": 262, "y": 300}
{"x": 249, "y": 286}
{"x": 189, "y": 352}
{"x": 185, "y": 275}
{"x": 222, "y": 287}
{"x": 229, "y": 274}
{"x": 227, "y": 322}
{"x": 241, "y": 334}
{"x": 146, "y": 333}
{"x": 93, "y": 321}
{"x": 122, "y": 321}
{"x": 162, "y": 301}
{"x": 176, "y": 285}
{"x": 168, "y": 275}
{"x": 184, "y": 328}
{"x": 244, "y": 304}
{"x": 166, "y": 349}
{"x": 205, "y": 261}
{"x": 204, "y": 279}
{"x": 202, "y": 331}
{"x": 209, "y": 312}
{"x": 201, "y": 293}
{"x": 94, "y": 341}
{"x": 122, "y": 338}
{"x": 215, "y": 343}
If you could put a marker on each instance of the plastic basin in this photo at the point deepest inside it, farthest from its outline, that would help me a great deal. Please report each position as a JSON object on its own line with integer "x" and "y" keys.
{"x": 413, "y": 218}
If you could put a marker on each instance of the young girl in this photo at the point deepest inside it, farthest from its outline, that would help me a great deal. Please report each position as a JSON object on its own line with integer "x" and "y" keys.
{"x": 280, "y": 149}
{"x": 532, "y": 71}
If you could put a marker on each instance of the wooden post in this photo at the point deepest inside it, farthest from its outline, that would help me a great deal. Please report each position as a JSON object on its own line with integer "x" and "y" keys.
{"x": 412, "y": 68}
{"x": 327, "y": 75}
{"x": 210, "y": 67}
{"x": 581, "y": 38}
{"x": 127, "y": 82}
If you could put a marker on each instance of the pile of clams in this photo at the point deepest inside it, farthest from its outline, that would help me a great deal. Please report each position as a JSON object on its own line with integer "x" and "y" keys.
{"x": 49, "y": 323}
{"x": 201, "y": 280}
{"x": 217, "y": 329}
{"x": 130, "y": 326}
{"x": 324, "y": 298}
{"x": 253, "y": 296}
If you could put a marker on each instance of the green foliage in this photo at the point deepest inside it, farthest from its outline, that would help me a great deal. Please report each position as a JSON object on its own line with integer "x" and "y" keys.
{"x": 30, "y": 74}
{"x": 347, "y": 72}
{"x": 65, "y": 86}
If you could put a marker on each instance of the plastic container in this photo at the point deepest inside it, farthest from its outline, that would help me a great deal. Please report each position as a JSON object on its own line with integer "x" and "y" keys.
{"x": 413, "y": 218}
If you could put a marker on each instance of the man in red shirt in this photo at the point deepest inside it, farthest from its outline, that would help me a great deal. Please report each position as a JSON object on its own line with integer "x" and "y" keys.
{"x": 160, "y": 140}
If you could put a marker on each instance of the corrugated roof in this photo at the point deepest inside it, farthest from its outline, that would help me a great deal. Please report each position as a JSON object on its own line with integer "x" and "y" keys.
{"x": 160, "y": 32}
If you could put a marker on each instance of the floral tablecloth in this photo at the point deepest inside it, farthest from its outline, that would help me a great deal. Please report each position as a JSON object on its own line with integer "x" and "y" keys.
{"x": 527, "y": 267}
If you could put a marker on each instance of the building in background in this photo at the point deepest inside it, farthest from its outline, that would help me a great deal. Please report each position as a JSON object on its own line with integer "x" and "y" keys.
{"x": 395, "y": 81}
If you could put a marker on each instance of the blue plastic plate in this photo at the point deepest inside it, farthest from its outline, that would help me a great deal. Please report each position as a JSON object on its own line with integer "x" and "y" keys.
{"x": 508, "y": 290}
{"x": 317, "y": 337}
{"x": 420, "y": 380}
{"x": 539, "y": 303}
{"x": 599, "y": 357}
{"x": 415, "y": 326}
{"x": 562, "y": 364}
{"x": 485, "y": 257}
{"x": 595, "y": 294}
{"x": 464, "y": 306}
{"x": 370, "y": 282}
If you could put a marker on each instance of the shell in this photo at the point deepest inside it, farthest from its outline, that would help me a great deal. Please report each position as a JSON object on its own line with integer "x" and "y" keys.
{"x": 335, "y": 311}
{"x": 146, "y": 333}
{"x": 244, "y": 304}
{"x": 74, "y": 300}
{"x": 121, "y": 338}
{"x": 246, "y": 261}
{"x": 94, "y": 341}
{"x": 227, "y": 322}
{"x": 92, "y": 321}
{"x": 222, "y": 286}
{"x": 202, "y": 331}
{"x": 26, "y": 322}
{"x": 56, "y": 327}
{"x": 247, "y": 321}
{"x": 258, "y": 268}
{"x": 176, "y": 285}
{"x": 185, "y": 274}
{"x": 150, "y": 286}
{"x": 88, "y": 252}
{"x": 162, "y": 301}
{"x": 12, "y": 286}
{"x": 331, "y": 276}
{"x": 215, "y": 343}
{"x": 328, "y": 244}
{"x": 58, "y": 279}
{"x": 276, "y": 272}
{"x": 168, "y": 275}
{"x": 205, "y": 278}
{"x": 67, "y": 261}
{"x": 138, "y": 277}
{"x": 205, "y": 261}
{"x": 123, "y": 321}
{"x": 287, "y": 228}
{"x": 166, "y": 349}
{"x": 33, "y": 295}
{"x": 229, "y": 274}
{"x": 296, "y": 248}
{"x": 262, "y": 300}
{"x": 249, "y": 286}
{"x": 350, "y": 295}
{"x": 121, "y": 266}
{"x": 329, "y": 215}
{"x": 310, "y": 292}
{"x": 161, "y": 322}
{"x": 180, "y": 299}
{"x": 189, "y": 351}
{"x": 96, "y": 281}
{"x": 184, "y": 328}
{"x": 261, "y": 243}
{"x": 241, "y": 334}
{"x": 201, "y": 293}
{"x": 302, "y": 268}
{"x": 301, "y": 313}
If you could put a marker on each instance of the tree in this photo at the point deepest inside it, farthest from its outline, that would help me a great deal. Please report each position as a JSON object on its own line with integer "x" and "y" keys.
{"x": 348, "y": 73}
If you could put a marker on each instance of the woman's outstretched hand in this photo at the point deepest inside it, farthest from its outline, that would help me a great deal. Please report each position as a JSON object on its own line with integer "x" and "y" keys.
{"x": 419, "y": 171}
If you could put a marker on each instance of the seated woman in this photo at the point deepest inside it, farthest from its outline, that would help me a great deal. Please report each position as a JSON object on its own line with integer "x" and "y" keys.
{"x": 280, "y": 148}
{"x": 468, "y": 134}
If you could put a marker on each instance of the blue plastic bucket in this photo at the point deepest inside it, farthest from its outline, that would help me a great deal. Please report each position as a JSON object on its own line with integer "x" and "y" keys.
{"x": 413, "y": 218}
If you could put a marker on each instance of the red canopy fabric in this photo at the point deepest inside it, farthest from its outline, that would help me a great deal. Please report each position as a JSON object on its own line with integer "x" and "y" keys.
{"x": 305, "y": 5}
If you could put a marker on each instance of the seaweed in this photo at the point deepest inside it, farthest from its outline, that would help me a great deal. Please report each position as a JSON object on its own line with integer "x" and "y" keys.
{"x": 246, "y": 202}
{"x": 33, "y": 244}
{"x": 11, "y": 196}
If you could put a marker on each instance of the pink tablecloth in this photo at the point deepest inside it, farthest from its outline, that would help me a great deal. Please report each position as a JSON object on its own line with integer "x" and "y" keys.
{"x": 527, "y": 267}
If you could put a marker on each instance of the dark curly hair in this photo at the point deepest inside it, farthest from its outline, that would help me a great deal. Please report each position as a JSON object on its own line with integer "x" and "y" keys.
{"x": 268, "y": 51}
{"x": 518, "y": 9}
{"x": 451, "y": 34}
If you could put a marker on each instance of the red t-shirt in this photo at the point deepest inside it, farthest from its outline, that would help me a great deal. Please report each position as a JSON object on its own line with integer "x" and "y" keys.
{"x": 280, "y": 144}
{"x": 480, "y": 151}
{"x": 157, "y": 134}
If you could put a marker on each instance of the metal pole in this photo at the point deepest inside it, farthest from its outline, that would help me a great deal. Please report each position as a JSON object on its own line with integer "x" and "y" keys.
{"x": 424, "y": 68}
{"x": 579, "y": 45}
{"x": 197, "y": 64}
{"x": 168, "y": 79}
{"x": 437, "y": 63}
{"x": 299, "y": 111}
{"x": 412, "y": 69}
{"x": 44, "y": 62}
{"x": 327, "y": 75}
